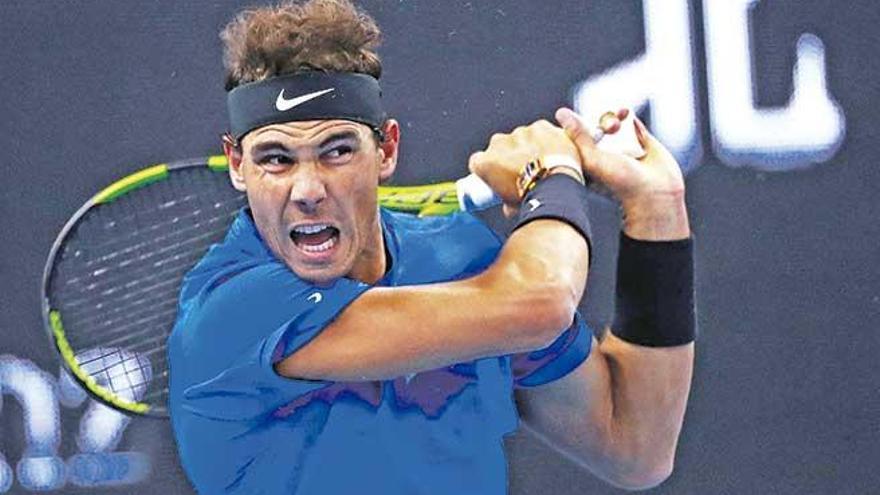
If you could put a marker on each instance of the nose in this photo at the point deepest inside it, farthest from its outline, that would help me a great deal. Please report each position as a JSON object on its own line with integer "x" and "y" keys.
{"x": 307, "y": 189}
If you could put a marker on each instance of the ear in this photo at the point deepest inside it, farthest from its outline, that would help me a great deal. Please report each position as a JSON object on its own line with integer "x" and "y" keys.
{"x": 389, "y": 149}
{"x": 233, "y": 157}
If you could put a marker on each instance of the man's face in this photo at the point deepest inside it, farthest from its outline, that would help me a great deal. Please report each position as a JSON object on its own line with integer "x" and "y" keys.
{"x": 311, "y": 187}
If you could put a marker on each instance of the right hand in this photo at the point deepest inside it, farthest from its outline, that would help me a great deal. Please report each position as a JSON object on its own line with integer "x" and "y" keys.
{"x": 500, "y": 164}
{"x": 650, "y": 189}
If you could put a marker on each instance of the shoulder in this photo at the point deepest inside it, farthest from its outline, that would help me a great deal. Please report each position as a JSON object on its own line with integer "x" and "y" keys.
{"x": 436, "y": 223}
{"x": 239, "y": 293}
{"x": 430, "y": 249}
{"x": 446, "y": 229}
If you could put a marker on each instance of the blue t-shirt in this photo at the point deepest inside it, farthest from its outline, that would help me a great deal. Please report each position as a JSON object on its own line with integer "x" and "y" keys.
{"x": 243, "y": 429}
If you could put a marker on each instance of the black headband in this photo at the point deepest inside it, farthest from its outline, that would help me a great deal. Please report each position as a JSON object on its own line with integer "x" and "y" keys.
{"x": 310, "y": 95}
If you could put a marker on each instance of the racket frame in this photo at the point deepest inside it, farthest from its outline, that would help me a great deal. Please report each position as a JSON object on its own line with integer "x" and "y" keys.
{"x": 424, "y": 200}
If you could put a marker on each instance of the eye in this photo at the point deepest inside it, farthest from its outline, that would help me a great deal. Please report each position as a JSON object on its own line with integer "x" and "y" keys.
{"x": 274, "y": 162}
{"x": 339, "y": 154}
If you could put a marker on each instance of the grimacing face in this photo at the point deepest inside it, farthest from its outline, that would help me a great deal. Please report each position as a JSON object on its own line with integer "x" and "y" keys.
{"x": 311, "y": 187}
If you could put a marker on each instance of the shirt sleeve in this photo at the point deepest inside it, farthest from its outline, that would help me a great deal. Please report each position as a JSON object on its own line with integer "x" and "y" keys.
{"x": 242, "y": 324}
{"x": 566, "y": 353}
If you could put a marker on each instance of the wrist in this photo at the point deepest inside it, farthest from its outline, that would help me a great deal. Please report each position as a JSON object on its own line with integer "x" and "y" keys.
{"x": 559, "y": 198}
{"x": 546, "y": 165}
{"x": 654, "y": 296}
{"x": 579, "y": 176}
{"x": 660, "y": 217}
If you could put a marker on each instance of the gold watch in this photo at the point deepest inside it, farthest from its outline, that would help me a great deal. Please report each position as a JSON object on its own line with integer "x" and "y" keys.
{"x": 538, "y": 168}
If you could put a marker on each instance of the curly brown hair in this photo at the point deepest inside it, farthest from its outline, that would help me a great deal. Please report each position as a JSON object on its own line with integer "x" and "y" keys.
{"x": 330, "y": 35}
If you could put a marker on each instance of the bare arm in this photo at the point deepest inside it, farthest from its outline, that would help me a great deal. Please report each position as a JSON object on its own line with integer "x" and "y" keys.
{"x": 620, "y": 413}
{"x": 522, "y": 302}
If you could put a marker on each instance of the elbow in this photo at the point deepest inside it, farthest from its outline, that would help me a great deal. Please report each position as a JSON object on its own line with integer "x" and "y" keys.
{"x": 643, "y": 476}
{"x": 536, "y": 308}
{"x": 640, "y": 468}
{"x": 548, "y": 312}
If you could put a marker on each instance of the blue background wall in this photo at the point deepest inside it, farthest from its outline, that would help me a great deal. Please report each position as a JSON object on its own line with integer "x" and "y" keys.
{"x": 785, "y": 398}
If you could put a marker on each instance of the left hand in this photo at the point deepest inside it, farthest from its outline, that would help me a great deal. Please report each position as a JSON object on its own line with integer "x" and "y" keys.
{"x": 500, "y": 164}
{"x": 650, "y": 189}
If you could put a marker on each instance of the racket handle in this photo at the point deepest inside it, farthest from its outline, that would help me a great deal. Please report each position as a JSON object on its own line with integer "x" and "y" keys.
{"x": 474, "y": 194}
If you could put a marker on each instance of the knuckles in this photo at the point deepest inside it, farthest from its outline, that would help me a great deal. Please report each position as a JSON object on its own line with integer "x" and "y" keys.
{"x": 540, "y": 129}
{"x": 475, "y": 162}
{"x": 543, "y": 124}
{"x": 498, "y": 139}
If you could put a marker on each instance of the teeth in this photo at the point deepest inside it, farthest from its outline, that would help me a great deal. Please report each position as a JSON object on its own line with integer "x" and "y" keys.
{"x": 320, "y": 248}
{"x": 310, "y": 229}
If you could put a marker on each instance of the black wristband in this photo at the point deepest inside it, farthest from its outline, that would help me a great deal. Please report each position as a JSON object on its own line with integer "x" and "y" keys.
{"x": 559, "y": 197}
{"x": 655, "y": 293}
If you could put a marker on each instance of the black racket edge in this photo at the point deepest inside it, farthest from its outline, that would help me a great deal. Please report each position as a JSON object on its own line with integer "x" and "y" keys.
{"x": 51, "y": 316}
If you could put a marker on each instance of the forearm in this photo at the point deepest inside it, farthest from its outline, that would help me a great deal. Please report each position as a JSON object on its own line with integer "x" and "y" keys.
{"x": 649, "y": 383}
{"x": 648, "y": 391}
{"x": 660, "y": 218}
{"x": 521, "y": 303}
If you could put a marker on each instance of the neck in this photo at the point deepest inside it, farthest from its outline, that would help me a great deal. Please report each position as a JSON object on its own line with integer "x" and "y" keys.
{"x": 372, "y": 263}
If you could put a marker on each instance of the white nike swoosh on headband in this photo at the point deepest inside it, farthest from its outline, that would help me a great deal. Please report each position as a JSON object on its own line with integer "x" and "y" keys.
{"x": 283, "y": 104}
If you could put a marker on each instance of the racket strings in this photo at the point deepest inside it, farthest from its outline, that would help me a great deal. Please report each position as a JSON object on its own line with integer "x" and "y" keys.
{"x": 220, "y": 224}
{"x": 118, "y": 274}
{"x": 132, "y": 277}
{"x": 101, "y": 222}
{"x": 124, "y": 292}
{"x": 144, "y": 254}
{"x": 128, "y": 336}
{"x": 124, "y": 373}
{"x": 106, "y": 321}
{"x": 100, "y": 309}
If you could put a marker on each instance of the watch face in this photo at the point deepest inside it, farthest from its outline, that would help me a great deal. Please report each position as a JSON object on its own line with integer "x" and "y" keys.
{"x": 531, "y": 173}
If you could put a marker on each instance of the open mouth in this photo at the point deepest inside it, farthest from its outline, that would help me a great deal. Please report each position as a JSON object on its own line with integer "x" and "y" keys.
{"x": 315, "y": 238}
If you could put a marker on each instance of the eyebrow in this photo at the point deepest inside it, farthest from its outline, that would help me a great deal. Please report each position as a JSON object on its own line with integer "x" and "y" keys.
{"x": 267, "y": 146}
{"x": 340, "y": 136}
{"x": 276, "y": 145}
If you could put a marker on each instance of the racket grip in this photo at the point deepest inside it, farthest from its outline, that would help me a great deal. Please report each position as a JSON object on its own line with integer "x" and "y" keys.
{"x": 474, "y": 194}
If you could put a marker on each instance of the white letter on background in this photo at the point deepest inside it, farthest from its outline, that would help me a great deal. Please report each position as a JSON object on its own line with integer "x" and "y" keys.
{"x": 808, "y": 130}
{"x": 661, "y": 77}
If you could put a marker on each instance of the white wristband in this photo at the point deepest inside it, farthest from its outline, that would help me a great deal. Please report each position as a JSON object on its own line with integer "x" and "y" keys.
{"x": 558, "y": 160}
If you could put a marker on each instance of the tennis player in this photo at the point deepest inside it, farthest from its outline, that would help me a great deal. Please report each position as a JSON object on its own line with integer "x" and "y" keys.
{"x": 328, "y": 346}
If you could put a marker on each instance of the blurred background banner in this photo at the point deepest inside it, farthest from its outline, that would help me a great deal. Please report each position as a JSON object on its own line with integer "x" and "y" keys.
{"x": 769, "y": 106}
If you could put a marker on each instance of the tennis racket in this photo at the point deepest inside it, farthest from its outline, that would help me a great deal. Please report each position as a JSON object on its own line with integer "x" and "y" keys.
{"x": 111, "y": 282}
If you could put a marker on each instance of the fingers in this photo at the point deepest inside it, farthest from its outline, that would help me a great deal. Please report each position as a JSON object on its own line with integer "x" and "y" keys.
{"x": 501, "y": 163}
{"x": 509, "y": 210}
{"x": 652, "y": 146}
{"x": 597, "y": 163}
{"x": 496, "y": 173}
{"x": 645, "y": 139}
{"x": 575, "y": 128}
{"x": 476, "y": 162}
